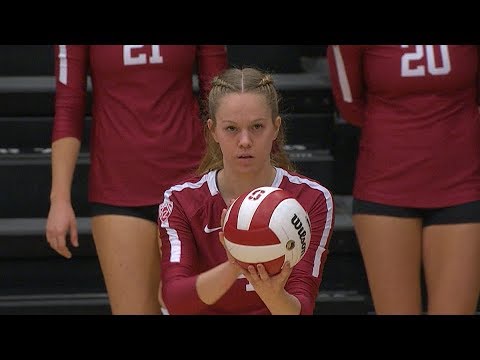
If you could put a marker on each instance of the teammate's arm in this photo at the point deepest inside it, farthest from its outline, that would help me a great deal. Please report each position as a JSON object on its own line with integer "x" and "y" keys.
{"x": 346, "y": 76}
{"x": 70, "y": 97}
{"x": 478, "y": 76}
{"x": 211, "y": 60}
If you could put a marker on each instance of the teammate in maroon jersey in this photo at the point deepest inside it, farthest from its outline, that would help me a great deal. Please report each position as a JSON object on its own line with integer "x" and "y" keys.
{"x": 146, "y": 135}
{"x": 417, "y": 183}
{"x": 245, "y": 141}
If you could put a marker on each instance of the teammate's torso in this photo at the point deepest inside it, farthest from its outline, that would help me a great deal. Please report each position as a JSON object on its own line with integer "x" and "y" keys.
{"x": 421, "y": 138}
{"x": 146, "y": 132}
{"x": 142, "y": 75}
{"x": 397, "y": 71}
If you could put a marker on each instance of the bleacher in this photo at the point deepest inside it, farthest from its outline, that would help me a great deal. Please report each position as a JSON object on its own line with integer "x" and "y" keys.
{"x": 36, "y": 280}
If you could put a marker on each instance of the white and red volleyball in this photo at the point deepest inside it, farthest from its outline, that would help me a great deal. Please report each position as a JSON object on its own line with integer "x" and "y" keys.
{"x": 267, "y": 225}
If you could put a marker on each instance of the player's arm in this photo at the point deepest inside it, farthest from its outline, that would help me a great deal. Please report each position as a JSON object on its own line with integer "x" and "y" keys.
{"x": 273, "y": 292}
{"x": 184, "y": 290}
{"x": 71, "y": 63}
{"x": 211, "y": 61}
{"x": 214, "y": 283}
{"x": 304, "y": 281}
{"x": 346, "y": 75}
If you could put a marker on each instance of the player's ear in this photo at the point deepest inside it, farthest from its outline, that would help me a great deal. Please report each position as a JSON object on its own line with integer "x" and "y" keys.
{"x": 211, "y": 128}
{"x": 277, "y": 123}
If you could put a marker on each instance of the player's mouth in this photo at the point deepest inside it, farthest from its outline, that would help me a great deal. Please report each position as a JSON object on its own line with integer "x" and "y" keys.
{"x": 245, "y": 156}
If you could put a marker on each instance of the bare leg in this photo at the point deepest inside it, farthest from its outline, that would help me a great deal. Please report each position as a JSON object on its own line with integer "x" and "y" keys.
{"x": 452, "y": 268}
{"x": 391, "y": 251}
{"x": 129, "y": 256}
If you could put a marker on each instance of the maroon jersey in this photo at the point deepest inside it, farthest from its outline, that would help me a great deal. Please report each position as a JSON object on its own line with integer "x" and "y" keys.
{"x": 417, "y": 105}
{"x": 189, "y": 221}
{"x": 146, "y": 131}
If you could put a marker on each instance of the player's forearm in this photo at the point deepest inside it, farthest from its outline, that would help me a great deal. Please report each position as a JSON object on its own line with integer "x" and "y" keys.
{"x": 214, "y": 283}
{"x": 64, "y": 157}
{"x": 283, "y": 304}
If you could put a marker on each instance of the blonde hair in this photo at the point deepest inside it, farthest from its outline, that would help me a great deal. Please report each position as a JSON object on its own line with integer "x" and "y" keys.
{"x": 236, "y": 80}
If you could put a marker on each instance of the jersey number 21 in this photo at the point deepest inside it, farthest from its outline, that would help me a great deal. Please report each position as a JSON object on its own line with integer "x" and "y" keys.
{"x": 141, "y": 57}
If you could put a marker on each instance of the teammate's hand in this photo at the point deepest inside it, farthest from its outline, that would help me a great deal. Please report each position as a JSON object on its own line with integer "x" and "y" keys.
{"x": 60, "y": 222}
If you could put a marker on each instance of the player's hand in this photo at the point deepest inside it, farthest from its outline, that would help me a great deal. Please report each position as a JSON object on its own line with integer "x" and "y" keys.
{"x": 60, "y": 222}
{"x": 222, "y": 222}
{"x": 230, "y": 258}
{"x": 266, "y": 286}
{"x": 222, "y": 239}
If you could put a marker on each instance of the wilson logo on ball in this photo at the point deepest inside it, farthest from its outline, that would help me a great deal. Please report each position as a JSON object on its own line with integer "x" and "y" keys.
{"x": 267, "y": 225}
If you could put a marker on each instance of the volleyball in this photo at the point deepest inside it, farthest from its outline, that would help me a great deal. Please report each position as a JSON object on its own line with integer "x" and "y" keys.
{"x": 267, "y": 225}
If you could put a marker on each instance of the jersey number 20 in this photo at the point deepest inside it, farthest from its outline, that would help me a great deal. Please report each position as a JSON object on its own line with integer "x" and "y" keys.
{"x": 426, "y": 55}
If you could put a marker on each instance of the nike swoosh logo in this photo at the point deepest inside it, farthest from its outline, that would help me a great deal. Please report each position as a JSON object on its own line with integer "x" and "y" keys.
{"x": 208, "y": 230}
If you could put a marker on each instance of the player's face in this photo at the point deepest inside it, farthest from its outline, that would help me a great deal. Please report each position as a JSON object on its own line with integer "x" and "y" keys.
{"x": 245, "y": 131}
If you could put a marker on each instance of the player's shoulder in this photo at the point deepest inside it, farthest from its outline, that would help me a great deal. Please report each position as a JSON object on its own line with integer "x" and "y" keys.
{"x": 195, "y": 186}
{"x": 299, "y": 183}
